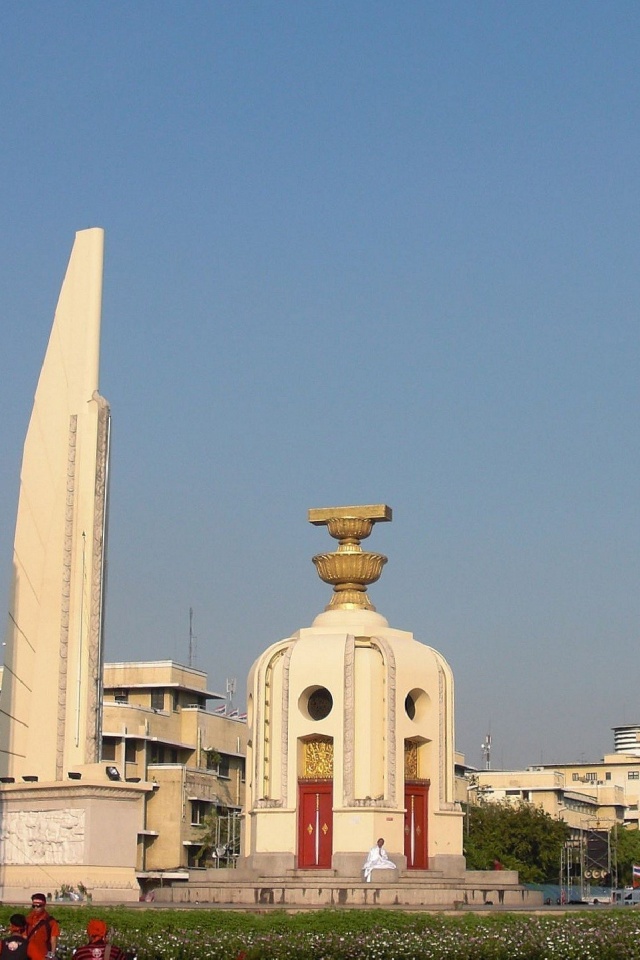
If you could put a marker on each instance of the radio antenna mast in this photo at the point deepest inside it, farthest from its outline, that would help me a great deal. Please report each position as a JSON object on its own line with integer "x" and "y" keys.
{"x": 486, "y": 751}
{"x": 192, "y": 640}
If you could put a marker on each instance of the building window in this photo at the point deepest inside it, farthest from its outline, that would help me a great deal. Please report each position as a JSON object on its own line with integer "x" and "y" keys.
{"x": 109, "y": 750}
{"x": 591, "y": 777}
{"x": 157, "y": 753}
{"x": 176, "y": 699}
{"x": 130, "y": 751}
{"x": 193, "y": 856}
{"x": 199, "y": 810}
{"x": 607, "y": 776}
{"x": 223, "y": 767}
{"x": 242, "y": 770}
{"x": 575, "y": 776}
{"x": 633, "y": 775}
{"x": 121, "y": 696}
{"x": 157, "y": 699}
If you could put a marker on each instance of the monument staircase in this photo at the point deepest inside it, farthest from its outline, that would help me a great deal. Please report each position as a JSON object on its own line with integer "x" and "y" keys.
{"x": 316, "y": 888}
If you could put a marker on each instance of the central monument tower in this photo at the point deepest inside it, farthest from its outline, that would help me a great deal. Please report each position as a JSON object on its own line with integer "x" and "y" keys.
{"x": 351, "y": 731}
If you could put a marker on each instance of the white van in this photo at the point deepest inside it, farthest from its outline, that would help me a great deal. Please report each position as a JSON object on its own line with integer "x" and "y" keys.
{"x": 628, "y": 897}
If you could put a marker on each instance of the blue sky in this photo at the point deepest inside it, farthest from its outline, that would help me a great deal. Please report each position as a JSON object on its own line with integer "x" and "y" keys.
{"x": 355, "y": 252}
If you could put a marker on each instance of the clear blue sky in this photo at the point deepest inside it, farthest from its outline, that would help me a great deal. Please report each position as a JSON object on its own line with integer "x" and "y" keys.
{"x": 356, "y": 252}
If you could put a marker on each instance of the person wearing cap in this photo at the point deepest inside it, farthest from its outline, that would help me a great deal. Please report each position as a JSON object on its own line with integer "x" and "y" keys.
{"x": 98, "y": 948}
{"x": 43, "y": 930}
{"x": 14, "y": 947}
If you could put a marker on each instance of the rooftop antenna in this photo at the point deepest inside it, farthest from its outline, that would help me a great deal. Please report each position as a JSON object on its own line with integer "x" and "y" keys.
{"x": 192, "y": 640}
{"x": 231, "y": 689}
{"x": 486, "y": 751}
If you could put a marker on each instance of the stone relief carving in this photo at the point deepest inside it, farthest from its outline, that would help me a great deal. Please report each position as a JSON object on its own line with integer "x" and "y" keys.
{"x": 42, "y": 836}
{"x": 256, "y": 736}
{"x": 263, "y": 804}
{"x": 266, "y": 780}
{"x": 442, "y": 736}
{"x": 96, "y": 619}
{"x": 65, "y": 595}
{"x": 371, "y": 802}
{"x": 284, "y": 773}
{"x": 349, "y": 721}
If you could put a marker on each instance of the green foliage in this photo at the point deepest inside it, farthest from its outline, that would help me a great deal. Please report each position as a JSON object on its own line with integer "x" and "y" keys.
{"x": 216, "y": 832}
{"x": 213, "y": 757}
{"x": 370, "y": 934}
{"x": 521, "y": 836}
{"x": 625, "y": 845}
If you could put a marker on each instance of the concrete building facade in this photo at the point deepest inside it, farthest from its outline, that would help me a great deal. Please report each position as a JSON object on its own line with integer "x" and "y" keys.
{"x": 581, "y": 807}
{"x": 157, "y": 729}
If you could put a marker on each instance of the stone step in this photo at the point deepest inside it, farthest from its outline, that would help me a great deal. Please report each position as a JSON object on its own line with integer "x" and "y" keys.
{"x": 332, "y": 883}
{"x": 349, "y": 893}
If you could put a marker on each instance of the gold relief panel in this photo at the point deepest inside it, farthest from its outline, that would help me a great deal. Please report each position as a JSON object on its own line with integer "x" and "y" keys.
{"x": 410, "y": 760}
{"x": 317, "y": 760}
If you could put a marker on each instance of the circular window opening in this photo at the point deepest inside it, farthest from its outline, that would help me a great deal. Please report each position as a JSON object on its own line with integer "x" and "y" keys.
{"x": 416, "y": 704}
{"x": 320, "y": 704}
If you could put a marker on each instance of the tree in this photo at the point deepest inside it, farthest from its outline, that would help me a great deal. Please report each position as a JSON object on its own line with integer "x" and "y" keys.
{"x": 625, "y": 846}
{"x": 521, "y": 836}
{"x": 220, "y": 835}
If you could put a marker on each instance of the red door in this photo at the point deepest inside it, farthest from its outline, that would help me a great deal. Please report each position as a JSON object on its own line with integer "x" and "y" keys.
{"x": 416, "y": 806}
{"x": 315, "y": 823}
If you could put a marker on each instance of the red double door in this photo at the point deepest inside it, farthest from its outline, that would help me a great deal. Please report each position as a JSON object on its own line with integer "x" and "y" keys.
{"x": 416, "y": 808}
{"x": 315, "y": 823}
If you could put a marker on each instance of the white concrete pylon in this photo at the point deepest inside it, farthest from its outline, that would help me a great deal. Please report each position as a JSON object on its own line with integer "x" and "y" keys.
{"x": 49, "y": 706}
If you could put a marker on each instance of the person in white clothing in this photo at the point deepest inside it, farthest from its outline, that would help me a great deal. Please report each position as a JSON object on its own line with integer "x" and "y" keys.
{"x": 377, "y": 859}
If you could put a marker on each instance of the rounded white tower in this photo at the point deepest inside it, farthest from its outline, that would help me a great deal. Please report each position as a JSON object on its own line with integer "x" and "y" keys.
{"x": 351, "y": 732}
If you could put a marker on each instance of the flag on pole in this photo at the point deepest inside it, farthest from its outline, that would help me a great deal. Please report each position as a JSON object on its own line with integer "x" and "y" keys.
{"x": 636, "y": 876}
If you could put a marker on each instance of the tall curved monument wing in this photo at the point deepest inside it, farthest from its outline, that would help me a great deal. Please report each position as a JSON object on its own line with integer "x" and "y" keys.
{"x": 51, "y": 690}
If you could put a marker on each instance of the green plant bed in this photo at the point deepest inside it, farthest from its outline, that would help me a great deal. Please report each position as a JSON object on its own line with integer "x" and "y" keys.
{"x": 157, "y": 934}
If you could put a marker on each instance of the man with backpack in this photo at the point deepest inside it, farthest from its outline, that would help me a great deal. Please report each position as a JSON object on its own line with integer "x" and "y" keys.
{"x": 14, "y": 947}
{"x": 43, "y": 930}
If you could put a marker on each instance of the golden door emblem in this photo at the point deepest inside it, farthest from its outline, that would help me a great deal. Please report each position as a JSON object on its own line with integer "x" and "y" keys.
{"x": 325, "y": 829}
{"x": 317, "y": 761}
{"x": 410, "y": 760}
{"x": 310, "y": 829}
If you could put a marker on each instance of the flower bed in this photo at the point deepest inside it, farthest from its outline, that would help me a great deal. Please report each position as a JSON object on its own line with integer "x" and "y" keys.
{"x": 601, "y": 934}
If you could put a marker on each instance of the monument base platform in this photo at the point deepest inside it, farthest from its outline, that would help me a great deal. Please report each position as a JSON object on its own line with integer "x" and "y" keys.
{"x": 322, "y": 888}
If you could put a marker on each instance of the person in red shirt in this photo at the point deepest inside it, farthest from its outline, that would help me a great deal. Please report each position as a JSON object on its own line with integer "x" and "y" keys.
{"x": 43, "y": 930}
{"x": 98, "y": 948}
